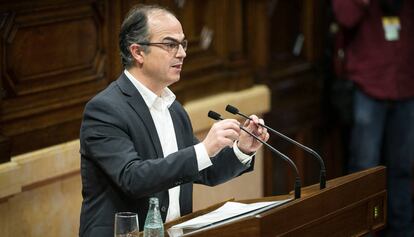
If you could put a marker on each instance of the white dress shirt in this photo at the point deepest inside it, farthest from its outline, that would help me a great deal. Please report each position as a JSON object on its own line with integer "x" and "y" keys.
{"x": 158, "y": 107}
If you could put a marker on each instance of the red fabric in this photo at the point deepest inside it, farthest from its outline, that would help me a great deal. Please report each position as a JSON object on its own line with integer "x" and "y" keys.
{"x": 383, "y": 69}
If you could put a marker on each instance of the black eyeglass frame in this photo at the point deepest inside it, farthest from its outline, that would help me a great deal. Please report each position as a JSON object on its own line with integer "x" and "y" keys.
{"x": 172, "y": 46}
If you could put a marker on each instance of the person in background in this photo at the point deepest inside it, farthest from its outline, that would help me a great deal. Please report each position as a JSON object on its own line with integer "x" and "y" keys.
{"x": 136, "y": 140}
{"x": 379, "y": 54}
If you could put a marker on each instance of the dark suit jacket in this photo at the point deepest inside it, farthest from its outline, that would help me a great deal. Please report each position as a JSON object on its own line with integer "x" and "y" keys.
{"x": 122, "y": 163}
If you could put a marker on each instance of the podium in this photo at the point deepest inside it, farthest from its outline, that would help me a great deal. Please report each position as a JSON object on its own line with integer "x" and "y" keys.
{"x": 351, "y": 205}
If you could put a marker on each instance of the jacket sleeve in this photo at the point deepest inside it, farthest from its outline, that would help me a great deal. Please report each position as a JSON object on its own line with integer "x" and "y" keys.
{"x": 349, "y": 13}
{"x": 105, "y": 141}
{"x": 225, "y": 166}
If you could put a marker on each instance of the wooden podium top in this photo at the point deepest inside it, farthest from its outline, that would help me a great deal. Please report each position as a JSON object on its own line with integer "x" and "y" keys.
{"x": 352, "y": 205}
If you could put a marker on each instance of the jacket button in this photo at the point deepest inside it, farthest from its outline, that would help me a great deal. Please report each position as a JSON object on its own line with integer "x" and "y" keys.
{"x": 163, "y": 209}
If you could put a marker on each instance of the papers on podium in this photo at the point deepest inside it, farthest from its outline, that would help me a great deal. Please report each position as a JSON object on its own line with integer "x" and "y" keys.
{"x": 228, "y": 212}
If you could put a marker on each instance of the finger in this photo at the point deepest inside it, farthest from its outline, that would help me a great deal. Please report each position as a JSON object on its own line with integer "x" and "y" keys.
{"x": 226, "y": 142}
{"x": 261, "y": 121}
{"x": 254, "y": 118}
{"x": 256, "y": 126}
{"x": 265, "y": 136}
{"x": 246, "y": 123}
{"x": 253, "y": 128}
{"x": 261, "y": 129}
{"x": 230, "y": 124}
{"x": 231, "y": 134}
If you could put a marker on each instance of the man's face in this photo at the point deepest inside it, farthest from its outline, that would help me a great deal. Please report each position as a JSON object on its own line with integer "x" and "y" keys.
{"x": 161, "y": 65}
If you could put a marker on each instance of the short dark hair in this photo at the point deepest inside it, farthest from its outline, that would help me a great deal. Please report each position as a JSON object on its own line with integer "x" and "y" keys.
{"x": 134, "y": 29}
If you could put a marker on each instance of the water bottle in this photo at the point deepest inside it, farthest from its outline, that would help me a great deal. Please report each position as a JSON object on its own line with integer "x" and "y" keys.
{"x": 153, "y": 226}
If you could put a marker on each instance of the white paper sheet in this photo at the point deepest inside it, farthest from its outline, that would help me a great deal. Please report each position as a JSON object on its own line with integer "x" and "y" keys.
{"x": 228, "y": 210}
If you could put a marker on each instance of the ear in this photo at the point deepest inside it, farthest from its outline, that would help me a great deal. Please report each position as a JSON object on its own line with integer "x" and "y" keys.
{"x": 137, "y": 53}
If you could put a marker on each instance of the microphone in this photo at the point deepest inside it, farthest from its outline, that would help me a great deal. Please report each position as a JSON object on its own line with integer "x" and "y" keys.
{"x": 322, "y": 175}
{"x": 297, "y": 187}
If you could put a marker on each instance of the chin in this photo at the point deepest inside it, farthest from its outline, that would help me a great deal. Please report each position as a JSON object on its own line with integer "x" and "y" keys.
{"x": 175, "y": 79}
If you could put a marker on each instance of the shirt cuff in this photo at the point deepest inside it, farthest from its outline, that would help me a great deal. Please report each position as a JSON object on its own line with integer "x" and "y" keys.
{"x": 243, "y": 158}
{"x": 203, "y": 160}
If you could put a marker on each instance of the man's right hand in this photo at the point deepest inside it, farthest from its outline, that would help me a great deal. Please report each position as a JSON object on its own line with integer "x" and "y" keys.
{"x": 223, "y": 133}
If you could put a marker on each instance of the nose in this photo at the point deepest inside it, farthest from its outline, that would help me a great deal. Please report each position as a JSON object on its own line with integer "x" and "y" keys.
{"x": 181, "y": 52}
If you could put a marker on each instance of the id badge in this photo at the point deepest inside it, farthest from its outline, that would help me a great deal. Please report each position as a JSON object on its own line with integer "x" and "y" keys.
{"x": 392, "y": 27}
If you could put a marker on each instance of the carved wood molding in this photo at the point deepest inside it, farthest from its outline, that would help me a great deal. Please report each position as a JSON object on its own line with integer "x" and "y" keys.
{"x": 53, "y": 58}
{"x": 55, "y": 55}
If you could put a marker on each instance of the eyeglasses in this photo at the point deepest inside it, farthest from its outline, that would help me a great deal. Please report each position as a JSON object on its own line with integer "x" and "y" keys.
{"x": 171, "y": 47}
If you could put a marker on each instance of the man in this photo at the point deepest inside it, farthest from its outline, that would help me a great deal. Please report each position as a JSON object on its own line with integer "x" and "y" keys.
{"x": 137, "y": 141}
{"x": 379, "y": 36}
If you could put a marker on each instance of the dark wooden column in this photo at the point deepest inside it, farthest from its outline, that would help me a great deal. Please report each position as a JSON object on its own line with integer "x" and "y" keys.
{"x": 286, "y": 43}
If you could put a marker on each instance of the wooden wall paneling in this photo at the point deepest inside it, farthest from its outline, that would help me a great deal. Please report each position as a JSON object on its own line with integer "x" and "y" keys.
{"x": 235, "y": 31}
{"x": 257, "y": 45}
{"x": 317, "y": 28}
{"x": 286, "y": 30}
{"x": 5, "y": 149}
{"x": 268, "y": 181}
{"x": 114, "y": 21}
{"x": 335, "y": 131}
{"x": 195, "y": 81}
{"x": 4, "y": 140}
{"x": 332, "y": 137}
{"x": 286, "y": 62}
{"x": 56, "y": 55}
{"x": 335, "y": 150}
{"x": 309, "y": 32}
{"x": 54, "y": 58}
{"x": 257, "y": 34}
{"x": 295, "y": 113}
{"x": 209, "y": 68}
{"x": 313, "y": 138}
{"x": 239, "y": 63}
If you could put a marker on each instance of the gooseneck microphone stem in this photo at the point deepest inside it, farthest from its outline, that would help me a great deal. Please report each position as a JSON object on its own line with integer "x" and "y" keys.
{"x": 298, "y": 185}
{"x": 322, "y": 178}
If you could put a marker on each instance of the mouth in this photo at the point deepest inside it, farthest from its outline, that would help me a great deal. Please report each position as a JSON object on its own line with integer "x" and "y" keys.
{"x": 177, "y": 66}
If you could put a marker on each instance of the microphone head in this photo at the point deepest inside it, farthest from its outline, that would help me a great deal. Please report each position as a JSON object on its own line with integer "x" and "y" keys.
{"x": 214, "y": 115}
{"x": 232, "y": 109}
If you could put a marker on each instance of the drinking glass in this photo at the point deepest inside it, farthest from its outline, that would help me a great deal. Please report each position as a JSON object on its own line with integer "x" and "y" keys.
{"x": 126, "y": 224}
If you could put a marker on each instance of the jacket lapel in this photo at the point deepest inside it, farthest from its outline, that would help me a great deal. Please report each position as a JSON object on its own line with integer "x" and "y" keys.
{"x": 178, "y": 128}
{"x": 186, "y": 190}
{"x": 137, "y": 103}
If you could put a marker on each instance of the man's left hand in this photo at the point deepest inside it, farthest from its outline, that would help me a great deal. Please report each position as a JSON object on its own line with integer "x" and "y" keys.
{"x": 247, "y": 144}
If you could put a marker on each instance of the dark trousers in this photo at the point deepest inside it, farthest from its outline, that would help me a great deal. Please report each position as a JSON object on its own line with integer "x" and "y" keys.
{"x": 383, "y": 133}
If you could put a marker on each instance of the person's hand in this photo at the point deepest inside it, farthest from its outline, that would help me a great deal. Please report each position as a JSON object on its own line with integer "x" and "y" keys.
{"x": 247, "y": 144}
{"x": 223, "y": 133}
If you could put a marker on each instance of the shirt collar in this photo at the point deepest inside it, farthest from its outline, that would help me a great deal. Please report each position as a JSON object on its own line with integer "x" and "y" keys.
{"x": 151, "y": 99}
